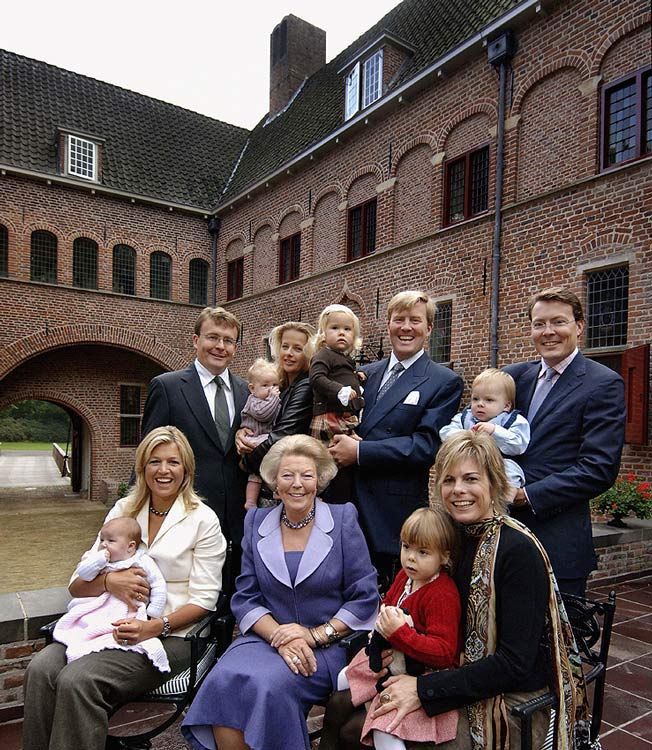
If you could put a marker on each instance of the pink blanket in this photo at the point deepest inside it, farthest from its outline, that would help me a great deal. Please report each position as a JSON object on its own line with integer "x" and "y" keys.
{"x": 86, "y": 627}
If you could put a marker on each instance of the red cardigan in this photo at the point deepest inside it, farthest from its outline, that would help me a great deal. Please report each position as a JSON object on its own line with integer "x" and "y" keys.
{"x": 436, "y": 611}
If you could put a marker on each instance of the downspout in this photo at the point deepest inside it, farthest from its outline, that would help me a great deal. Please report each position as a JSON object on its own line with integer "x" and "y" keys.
{"x": 214, "y": 231}
{"x": 500, "y": 53}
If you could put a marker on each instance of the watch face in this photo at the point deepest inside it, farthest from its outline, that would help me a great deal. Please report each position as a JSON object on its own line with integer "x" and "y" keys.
{"x": 329, "y": 630}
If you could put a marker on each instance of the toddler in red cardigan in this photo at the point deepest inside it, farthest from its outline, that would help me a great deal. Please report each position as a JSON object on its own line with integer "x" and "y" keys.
{"x": 420, "y": 618}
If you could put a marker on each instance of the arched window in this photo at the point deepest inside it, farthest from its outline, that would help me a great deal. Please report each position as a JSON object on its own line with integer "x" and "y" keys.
{"x": 43, "y": 257}
{"x": 4, "y": 250}
{"x": 198, "y": 282}
{"x": 124, "y": 269}
{"x": 84, "y": 263}
{"x": 160, "y": 266}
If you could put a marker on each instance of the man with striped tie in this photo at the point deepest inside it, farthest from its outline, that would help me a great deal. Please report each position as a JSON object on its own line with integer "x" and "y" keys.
{"x": 576, "y": 411}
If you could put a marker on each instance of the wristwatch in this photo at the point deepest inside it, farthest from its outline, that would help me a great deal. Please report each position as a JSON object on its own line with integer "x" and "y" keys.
{"x": 330, "y": 631}
{"x": 166, "y": 627}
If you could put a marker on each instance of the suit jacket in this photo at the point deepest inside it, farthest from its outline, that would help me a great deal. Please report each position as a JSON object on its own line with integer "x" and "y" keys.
{"x": 189, "y": 550}
{"x": 177, "y": 398}
{"x": 576, "y": 439}
{"x": 400, "y": 438}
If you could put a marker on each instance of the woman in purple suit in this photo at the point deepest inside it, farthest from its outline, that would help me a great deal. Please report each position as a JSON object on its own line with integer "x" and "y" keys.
{"x": 306, "y": 581}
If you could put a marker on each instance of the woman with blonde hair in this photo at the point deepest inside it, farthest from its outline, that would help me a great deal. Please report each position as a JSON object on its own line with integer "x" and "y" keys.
{"x": 68, "y": 705}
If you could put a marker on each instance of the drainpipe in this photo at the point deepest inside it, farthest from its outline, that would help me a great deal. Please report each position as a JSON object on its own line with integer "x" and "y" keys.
{"x": 500, "y": 53}
{"x": 214, "y": 231}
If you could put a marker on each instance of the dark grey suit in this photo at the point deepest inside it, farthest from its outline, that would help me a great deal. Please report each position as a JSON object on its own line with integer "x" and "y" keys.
{"x": 177, "y": 398}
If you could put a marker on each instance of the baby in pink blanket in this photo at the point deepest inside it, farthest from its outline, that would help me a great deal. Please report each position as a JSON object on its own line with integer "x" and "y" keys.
{"x": 87, "y": 626}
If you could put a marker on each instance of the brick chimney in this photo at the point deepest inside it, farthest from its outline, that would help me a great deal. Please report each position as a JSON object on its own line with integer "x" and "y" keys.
{"x": 297, "y": 50}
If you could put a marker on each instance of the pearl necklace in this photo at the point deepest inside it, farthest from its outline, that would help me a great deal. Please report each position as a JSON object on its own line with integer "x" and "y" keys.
{"x": 160, "y": 513}
{"x": 299, "y": 524}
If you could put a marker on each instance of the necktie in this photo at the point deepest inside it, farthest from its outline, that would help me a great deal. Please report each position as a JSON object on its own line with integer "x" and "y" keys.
{"x": 396, "y": 371}
{"x": 222, "y": 422}
{"x": 544, "y": 386}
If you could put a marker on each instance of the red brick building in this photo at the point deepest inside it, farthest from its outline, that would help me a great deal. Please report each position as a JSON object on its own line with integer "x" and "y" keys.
{"x": 477, "y": 150}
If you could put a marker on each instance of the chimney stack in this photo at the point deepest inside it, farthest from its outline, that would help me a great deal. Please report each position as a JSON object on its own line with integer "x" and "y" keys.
{"x": 297, "y": 50}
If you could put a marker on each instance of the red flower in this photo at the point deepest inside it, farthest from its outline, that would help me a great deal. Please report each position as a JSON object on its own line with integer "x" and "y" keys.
{"x": 643, "y": 486}
{"x": 631, "y": 477}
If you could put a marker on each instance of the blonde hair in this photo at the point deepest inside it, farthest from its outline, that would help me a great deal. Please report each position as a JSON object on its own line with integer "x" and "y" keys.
{"x": 298, "y": 445}
{"x": 275, "y": 337}
{"x": 260, "y": 368}
{"x": 217, "y": 315}
{"x": 126, "y": 525}
{"x": 407, "y": 300}
{"x": 481, "y": 449}
{"x": 320, "y": 338}
{"x": 140, "y": 494}
{"x": 557, "y": 294}
{"x": 492, "y": 376}
{"x": 430, "y": 528}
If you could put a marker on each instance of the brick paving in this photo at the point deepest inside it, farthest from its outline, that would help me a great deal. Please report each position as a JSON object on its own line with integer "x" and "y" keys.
{"x": 627, "y": 717}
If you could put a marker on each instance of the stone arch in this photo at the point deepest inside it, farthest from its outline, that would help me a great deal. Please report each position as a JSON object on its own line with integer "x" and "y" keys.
{"x": 42, "y": 226}
{"x": 125, "y": 240}
{"x": 615, "y": 35}
{"x": 295, "y": 208}
{"x": 573, "y": 59}
{"x": 19, "y": 351}
{"x": 345, "y": 295}
{"x": 11, "y": 226}
{"x": 481, "y": 107}
{"x": 266, "y": 222}
{"x": 373, "y": 169}
{"x": 613, "y": 242}
{"x": 89, "y": 234}
{"x": 442, "y": 285}
{"x": 335, "y": 187}
{"x": 412, "y": 195}
{"x": 235, "y": 246}
{"x": 429, "y": 139}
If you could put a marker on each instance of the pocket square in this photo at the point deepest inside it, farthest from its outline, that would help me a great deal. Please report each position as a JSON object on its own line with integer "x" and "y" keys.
{"x": 412, "y": 398}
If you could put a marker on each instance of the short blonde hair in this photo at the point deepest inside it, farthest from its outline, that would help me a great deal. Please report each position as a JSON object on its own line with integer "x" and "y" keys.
{"x": 298, "y": 445}
{"x": 140, "y": 494}
{"x": 275, "y": 337}
{"x": 217, "y": 315}
{"x": 481, "y": 449}
{"x": 126, "y": 525}
{"x": 260, "y": 368}
{"x": 430, "y": 528}
{"x": 407, "y": 300}
{"x": 320, "y": 338}
{"x": 492, "y": 376}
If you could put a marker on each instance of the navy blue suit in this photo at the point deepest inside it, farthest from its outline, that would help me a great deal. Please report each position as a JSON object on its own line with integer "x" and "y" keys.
{"x": 574, "y": 454}
{"x": 400, "y": 438}
{"x": 177, "y": 398}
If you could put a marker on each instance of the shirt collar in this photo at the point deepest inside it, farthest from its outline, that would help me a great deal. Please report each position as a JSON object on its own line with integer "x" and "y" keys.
{"x": 206, "y": 376}
{"x": 561, "y": 366}
{"x": 407, "y": 363}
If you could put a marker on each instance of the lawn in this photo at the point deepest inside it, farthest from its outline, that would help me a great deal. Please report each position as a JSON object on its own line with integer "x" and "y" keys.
{"x": 26, "y": 446}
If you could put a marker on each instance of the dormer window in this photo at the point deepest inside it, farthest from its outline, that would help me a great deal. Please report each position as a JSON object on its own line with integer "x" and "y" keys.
{"x": 364, "y": 84}
{"x": 81, "y": 158}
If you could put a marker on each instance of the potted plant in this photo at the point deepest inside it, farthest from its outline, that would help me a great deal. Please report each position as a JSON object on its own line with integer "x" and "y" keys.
{"x": 627, "y": 496}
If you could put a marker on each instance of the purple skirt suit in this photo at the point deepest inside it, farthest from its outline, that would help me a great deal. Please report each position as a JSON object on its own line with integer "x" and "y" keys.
{"x": 251, "y": 688}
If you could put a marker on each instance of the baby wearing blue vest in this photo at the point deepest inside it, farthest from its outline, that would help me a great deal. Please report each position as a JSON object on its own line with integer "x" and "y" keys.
{"x": 491, "y": 411}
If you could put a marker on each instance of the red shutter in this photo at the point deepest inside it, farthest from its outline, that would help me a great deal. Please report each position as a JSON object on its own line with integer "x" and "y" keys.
{"x": 635, "y": 371}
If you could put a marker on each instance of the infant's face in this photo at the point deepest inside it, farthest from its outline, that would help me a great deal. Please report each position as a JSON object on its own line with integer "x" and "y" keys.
{"x": 488, "y": 401}
{"x": 119, "y": 546}
{"x": 262, "y": 387}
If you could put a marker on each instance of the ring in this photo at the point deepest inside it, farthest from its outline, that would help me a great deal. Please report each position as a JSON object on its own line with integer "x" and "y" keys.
{"x": 125, "y": 642}
{"x": 139, "y": 597}
{"x": 296, "y": 660}
{"x": 385, "y": 698}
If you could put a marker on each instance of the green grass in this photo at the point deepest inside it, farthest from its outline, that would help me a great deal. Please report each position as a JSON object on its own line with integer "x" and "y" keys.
{"x": 28, "y": 446}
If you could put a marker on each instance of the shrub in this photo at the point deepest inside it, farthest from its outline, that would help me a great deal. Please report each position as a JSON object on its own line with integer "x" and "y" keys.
{"x": 628, "y": 495}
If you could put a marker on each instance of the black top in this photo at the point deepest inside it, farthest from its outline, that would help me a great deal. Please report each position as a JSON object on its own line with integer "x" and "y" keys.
{"x": 520, "y": 661}
{"x": 330, "y": 371}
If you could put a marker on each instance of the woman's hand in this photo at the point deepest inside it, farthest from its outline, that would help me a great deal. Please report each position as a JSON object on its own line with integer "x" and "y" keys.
{"x": 130, "y": 585}
{"x": 130, "y": 632}
{"x": 389, "y": 620}
{"x": 289, "y": 632}
{"x": 241, "y": 445}
{"x": 400, "y": 695}
{"x": 299, "y": 657}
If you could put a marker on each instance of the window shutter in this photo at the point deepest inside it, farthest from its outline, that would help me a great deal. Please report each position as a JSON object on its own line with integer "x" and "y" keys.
{"x": 635, "y": 371}
{"x": 352, "y": 92}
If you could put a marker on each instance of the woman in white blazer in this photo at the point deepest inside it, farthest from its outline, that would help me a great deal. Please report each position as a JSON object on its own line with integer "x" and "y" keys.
{"x": 68, "y": 705}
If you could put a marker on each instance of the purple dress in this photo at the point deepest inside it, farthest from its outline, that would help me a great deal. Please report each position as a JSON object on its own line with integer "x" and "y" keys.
{"x": 251, "y": 688}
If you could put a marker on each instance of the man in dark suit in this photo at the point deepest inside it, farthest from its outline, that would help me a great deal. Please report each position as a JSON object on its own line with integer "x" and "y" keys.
{"x": 205, "y": 401}
{"x": 576, "y": 411}
{"x": 408, "y": 398}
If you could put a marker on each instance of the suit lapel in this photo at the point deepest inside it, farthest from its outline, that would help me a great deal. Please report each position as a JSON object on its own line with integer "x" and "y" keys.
{"x": 270, "y": 547}
{"x": 240, "y": 394}
{"x": 568, "y": 381}
{"x": 193, "y": 393}
{"x": 525, "y": 388}
{"x": 319, "y": 544}
{"x": 373, "y": 383}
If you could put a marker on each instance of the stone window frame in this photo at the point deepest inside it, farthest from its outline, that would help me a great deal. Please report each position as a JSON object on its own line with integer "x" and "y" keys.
{"x": 640, "y": 83}
{"x": 289, "y": 258}
{"x": 82, "y": 156}
{"x": 444, "y": 314}
{"x": 470, "y": 185}
{"x": 367, "y": 246}
{"x": 235, "y": 278}
{"x": 598, "y": 282}
{"x": 198, "y": 270}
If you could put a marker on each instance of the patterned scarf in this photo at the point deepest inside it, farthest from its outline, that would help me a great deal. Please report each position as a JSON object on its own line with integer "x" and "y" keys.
{"x": 488, "y": 718}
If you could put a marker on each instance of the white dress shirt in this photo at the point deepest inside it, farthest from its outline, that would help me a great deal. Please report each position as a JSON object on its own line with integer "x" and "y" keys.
{"x": 407, "y": 363}
{"x": 206, "y": 377}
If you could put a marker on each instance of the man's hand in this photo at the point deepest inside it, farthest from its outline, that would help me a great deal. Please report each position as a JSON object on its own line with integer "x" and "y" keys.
{"x": 344, "y": 449}
{"x": 520, "y": 498}
{"x": 241, "y": 444}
